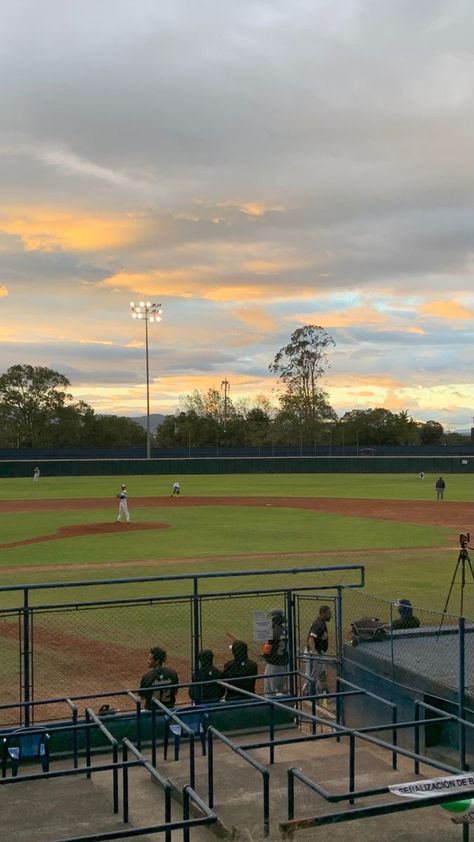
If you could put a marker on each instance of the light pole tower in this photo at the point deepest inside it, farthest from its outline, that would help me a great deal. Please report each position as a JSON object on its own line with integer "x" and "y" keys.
{"x": 147, "y": 312}
{"x": 225, "y": 387}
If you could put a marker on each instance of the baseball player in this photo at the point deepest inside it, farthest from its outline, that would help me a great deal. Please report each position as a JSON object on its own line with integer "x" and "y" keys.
{"x": 176, "y": 489}
{"x": 36, "y": 474}
{"x": 123, "y": 512}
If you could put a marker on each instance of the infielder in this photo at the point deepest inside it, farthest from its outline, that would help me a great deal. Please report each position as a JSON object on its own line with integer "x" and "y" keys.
{"x": 123, "y": 504}
{"x": 176, "y": 489}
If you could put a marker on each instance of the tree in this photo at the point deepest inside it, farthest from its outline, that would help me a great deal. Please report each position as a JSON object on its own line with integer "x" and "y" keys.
{"x": 431, "y": 432}
{"x": 300, "y": 366}
{"x": 30, "y": 399}
{"x": 115, "y": 431}
{"x": 378, "y": 426}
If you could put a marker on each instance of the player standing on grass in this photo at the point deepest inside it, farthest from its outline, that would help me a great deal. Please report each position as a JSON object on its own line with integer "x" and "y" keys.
{"x": 176, "y": 489}
{"x": 123, "y": 512}
{"x": 440, "y": 485}
{"x": 36, "y": 473}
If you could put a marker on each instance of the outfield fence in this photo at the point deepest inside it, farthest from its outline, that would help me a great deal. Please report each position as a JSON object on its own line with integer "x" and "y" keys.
{"x": 93, "y": 636}
{"x": 255, "y": 464}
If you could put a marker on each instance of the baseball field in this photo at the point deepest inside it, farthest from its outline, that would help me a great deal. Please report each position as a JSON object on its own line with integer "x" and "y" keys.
{"x": 65, "y": 530}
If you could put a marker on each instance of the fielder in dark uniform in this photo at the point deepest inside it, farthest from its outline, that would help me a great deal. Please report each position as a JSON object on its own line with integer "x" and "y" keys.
{"x": 242, "y": 669}
{"x": 317, "y": 644}
{"x": 159, "y": 682}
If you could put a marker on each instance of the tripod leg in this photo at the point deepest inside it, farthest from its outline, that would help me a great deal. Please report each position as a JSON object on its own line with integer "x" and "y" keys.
{"x": 452, "y": 585}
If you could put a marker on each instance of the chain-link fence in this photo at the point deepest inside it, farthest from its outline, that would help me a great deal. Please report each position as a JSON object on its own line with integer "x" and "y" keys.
{"x": 51, "y": 649}
{"x": 408, "y": 644}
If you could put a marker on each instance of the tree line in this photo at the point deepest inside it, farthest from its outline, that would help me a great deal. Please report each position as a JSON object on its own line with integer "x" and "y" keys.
{"x": 37, "y": 410}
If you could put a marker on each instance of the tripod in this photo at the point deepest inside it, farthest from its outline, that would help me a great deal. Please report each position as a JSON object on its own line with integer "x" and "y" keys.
{"x": 463, "y": 561}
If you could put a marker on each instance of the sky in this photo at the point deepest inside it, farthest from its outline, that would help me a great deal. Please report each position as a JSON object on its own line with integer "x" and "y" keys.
{"x": 253, "y": 167}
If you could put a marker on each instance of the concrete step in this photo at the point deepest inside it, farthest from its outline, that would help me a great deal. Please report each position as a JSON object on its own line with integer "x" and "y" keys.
{"x": 47, "y": 810}
{"x": 59, "y": 808}
{"x": 239, "y": 803}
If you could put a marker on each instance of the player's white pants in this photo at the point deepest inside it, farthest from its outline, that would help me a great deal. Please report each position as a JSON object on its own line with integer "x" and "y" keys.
{"x": 123, "y": 511}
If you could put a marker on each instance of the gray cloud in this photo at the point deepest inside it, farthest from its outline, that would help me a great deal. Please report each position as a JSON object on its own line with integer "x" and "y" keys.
{"x": 351, "y": 124}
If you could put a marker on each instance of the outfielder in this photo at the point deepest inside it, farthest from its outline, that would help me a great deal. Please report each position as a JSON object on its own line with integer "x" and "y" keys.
{"x": 123, "y": 504}
{"x": 176, "y": 489}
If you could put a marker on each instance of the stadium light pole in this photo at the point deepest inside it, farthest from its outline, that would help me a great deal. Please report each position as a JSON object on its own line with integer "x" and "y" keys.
{"x": 147, "y": 312}
{"x": 225, "y": 387}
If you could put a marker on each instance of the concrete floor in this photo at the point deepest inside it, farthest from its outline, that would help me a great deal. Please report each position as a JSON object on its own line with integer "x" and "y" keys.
{"x": 52, "y": 810}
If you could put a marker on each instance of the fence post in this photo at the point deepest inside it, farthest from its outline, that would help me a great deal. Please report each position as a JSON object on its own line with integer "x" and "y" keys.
{"x": 210, "y": 769}
{"x": 351, "y": 765}
{"x": 290, "y": 614}
{"x": 88, "y": 742}
{"x": 291, "y": 794}
{"x": 266, "y": 803}
{"x": 462, "y": 692}
{"x": 186, "y": 814}
{"x": 392, "y": 658}
{"x": 26, "y": 657}
{"x": 125, "y": 781}
{"x": 272, "y": 734}
{"x": 196, "y": 623}
{"x": 339, "y": 637}
{"x": 417, "y": 737}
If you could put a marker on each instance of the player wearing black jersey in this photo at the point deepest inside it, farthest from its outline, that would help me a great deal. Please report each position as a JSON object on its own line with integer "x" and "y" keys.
{"x": 159, "y": 682}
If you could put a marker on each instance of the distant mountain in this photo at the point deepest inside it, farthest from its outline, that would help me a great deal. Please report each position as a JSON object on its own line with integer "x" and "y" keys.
{"x": 156, "y": 419}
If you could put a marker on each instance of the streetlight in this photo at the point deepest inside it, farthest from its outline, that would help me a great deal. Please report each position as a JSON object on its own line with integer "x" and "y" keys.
{"x": 147, "y": 312}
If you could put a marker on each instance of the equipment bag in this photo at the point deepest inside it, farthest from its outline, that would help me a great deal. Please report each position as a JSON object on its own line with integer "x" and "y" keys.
{"x": 369, "y": 629}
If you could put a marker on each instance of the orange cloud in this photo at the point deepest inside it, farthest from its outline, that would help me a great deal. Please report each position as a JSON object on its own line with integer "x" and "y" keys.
{"x": 360, "y": 380}
{"x": 345, "y": 318}
{"x": 271, "y": 267}
{"x": 95, "y": 342}
{"x": 198, "y": 281}
{"x": 3, "y": 292}
{"x": 447, "y": 310}
{"x": 256, "y": 317}
{"x": 45, "y": 229}
{"x": 258, "y": 208}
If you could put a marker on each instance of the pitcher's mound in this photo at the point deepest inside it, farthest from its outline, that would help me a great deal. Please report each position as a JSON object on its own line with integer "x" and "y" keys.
{"x": 82, "y": 530}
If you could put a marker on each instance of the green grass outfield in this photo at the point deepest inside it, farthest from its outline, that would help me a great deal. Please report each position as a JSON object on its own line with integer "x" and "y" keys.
{"x": 459, "y": 487}
{"x": 231, "y": 538}
{"x": 88, "y": 649}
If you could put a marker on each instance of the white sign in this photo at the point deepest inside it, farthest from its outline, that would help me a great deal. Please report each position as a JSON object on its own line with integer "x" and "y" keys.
{"x": 457, "y": 784}
{"x": 262, "y": 626}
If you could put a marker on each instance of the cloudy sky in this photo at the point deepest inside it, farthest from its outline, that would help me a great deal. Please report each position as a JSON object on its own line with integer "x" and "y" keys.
{"x": 253, "y": 166}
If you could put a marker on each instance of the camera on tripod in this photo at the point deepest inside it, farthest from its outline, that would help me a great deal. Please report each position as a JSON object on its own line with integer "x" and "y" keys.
{"x": 464, "y": 538}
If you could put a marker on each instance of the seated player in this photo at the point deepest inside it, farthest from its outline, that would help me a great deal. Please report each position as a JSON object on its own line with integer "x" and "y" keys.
{"x": 159, "y": 682}
{"x": 202, "y": 694}
{"x": 407, "y": 619}
{"x": 240, "y": 671}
